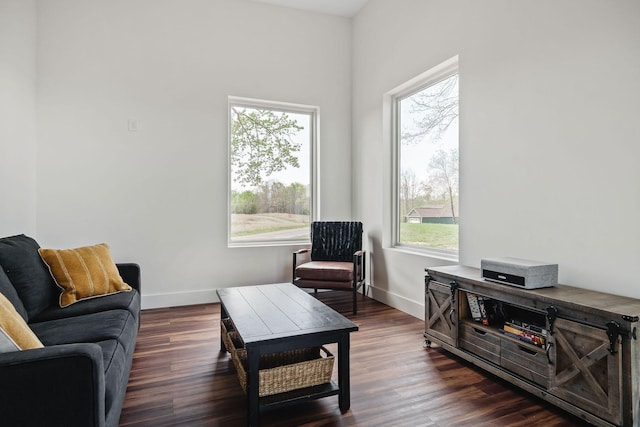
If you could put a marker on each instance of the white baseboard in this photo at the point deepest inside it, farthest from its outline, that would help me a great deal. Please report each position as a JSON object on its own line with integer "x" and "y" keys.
{"x": 416, "y": 309}
{"x": 175, "y": 299}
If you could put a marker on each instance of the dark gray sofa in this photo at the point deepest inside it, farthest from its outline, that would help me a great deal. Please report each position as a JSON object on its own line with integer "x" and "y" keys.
{"x": 80, "y": 376}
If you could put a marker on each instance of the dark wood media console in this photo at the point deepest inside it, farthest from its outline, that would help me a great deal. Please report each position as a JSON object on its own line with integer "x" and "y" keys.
{"x": 575, "y": 348}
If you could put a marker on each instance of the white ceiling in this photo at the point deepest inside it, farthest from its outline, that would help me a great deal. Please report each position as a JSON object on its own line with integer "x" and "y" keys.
{"x": 347, "y": 8}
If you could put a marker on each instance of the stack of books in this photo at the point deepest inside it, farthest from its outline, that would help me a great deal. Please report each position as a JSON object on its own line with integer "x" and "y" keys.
{"x": 485, "y": 310}
{"x": 477, "y": 308}
{"x": 527, "y": 332}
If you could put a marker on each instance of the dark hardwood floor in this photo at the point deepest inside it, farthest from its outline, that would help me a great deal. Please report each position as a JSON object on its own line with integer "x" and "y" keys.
{"x": 180, "y": 378}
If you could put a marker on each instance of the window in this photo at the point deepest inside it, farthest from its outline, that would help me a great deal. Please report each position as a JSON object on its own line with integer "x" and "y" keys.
{"x": 426, "y": 155}
{"x": 271, "y": 172}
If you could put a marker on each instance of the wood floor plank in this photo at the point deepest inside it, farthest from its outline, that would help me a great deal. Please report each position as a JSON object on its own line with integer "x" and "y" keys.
{"x": 180, "y": 378}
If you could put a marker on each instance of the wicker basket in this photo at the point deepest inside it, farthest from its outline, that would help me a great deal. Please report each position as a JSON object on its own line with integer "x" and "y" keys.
{"x": 283, "y": 371}
{"x": 288, "y": 370}
{"x": 229, "y": 336}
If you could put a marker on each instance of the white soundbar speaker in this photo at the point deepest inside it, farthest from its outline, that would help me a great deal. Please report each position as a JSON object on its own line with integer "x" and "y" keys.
{"x": 519, "y": 273}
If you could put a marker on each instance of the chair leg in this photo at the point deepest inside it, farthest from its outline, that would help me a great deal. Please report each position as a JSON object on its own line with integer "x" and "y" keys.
{"x": 355, "y": 301}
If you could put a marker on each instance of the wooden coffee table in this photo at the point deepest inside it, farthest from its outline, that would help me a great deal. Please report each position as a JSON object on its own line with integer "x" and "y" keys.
{"x": 280, "y": 317}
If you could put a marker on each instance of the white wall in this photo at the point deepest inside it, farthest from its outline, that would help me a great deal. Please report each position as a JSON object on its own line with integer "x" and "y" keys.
{"x": 17, "y": 117}
{"x": 548, "y": 133}
{"x": 548, "y": 130}
{"x": 158, "y": 196}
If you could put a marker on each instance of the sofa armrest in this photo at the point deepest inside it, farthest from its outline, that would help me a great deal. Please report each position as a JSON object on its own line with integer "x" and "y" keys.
{"x": 60, "y": 385}
{"x": 130, "y": 273}
{"x": 295, "y": 262}
{"x": 359, "y": 266}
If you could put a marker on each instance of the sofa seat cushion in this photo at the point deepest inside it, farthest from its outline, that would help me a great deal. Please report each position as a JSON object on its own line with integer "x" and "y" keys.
{"x": 129, "y": 301}
{"x": 27, "y": 272}
{"x": 89, "y": 328}
{"x": 326, "y": 270}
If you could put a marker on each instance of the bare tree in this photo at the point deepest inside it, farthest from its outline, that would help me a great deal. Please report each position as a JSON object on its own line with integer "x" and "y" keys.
{"x": 444, "y": 173}
{"x": 438, "y": 108}
{"x": 433, "y": 110}
{"x": 412, "y": 191}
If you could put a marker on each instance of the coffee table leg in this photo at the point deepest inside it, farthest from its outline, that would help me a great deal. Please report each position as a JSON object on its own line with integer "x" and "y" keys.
{"x": 253, "y": 400}
{"x": 223, "y": 315}
{"x": 343, "y": 373}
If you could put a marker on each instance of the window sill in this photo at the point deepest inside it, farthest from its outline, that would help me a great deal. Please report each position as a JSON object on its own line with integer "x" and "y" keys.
{"x": 427, "y": 253}
{"x": 269, "y": 244}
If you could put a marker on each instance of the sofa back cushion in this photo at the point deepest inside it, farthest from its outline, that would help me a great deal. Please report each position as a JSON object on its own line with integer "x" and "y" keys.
{"x": 14, "y": 332}
{"x": 7, "y": 289}
{"x": 28, "y": 273}
{"x": 84, "y": 273}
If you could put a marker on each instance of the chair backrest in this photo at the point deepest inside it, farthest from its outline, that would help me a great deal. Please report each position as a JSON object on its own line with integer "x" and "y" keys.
{"x": 335, "y": 240}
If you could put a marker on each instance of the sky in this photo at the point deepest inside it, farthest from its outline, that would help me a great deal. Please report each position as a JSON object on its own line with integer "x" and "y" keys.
{"x": 412, "y": 156}
{"x": 416, "y": 156}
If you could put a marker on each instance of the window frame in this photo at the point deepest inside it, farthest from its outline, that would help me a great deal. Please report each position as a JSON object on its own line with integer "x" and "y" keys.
{"x": 277, "y": 106}
{"x": 392, "y": 101}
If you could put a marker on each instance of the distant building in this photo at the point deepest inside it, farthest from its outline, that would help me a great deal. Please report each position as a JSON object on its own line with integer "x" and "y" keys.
{"x": 438, "y": 214}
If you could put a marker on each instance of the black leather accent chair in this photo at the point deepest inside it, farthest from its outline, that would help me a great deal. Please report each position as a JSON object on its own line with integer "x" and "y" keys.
{"x": 337, "y": 260}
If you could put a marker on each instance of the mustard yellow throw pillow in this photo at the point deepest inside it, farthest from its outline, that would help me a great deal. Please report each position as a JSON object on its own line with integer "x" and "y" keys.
{"x": 15, "y": 334}
{"x": 83, "y": 273}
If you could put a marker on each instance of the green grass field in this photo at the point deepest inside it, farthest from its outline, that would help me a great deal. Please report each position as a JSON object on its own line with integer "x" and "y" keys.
{"x": 245, "y": 225}
{"x": 441, "y": 236}
{"x": 269, "y": 230}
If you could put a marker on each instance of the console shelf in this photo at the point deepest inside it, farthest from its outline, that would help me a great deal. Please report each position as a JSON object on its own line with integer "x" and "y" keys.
{"x": 576, "y": 348}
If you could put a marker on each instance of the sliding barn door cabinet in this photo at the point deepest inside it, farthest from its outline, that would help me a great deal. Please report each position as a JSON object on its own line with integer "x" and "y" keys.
{"x": 575, "y": 348}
